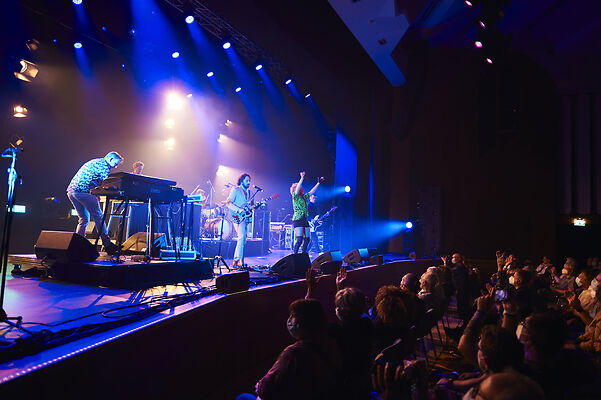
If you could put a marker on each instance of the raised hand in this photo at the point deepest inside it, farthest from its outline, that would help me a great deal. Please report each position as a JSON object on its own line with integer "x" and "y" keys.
{"x": 302, "y": 174}
{"x": 321, "y": 179}
{"x": 341, "y": 278}
{"x": 312, "y": 282}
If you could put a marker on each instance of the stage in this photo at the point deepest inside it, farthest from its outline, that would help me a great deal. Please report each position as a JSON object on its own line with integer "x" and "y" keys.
{"x": 182, "y": 337}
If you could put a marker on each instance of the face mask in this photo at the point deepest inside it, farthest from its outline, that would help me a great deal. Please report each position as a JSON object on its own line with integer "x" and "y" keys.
{"x": 455, "y": 260}
{"x": 595, "y": 284}
{"x": 512, "y": 280}
{"x": 292, "y": 326}
{"x": 578, "y": 281}
{"x": 564, "y": 271}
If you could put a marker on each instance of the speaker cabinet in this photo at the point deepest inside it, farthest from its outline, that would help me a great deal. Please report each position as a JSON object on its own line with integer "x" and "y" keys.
{"x": 293, "y": 265}
{"x": 329, "y": 262}
{"x": 358, "y": 255}
{"x": 233, "y": 282}
{"x": 64, "y": 247}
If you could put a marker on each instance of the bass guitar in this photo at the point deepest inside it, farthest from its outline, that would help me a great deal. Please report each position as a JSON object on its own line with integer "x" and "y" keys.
{"x": 247, "y": 211}
{"x": 316, "y": 221}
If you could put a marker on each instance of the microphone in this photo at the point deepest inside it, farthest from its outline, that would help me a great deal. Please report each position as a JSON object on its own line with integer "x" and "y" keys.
{"x": 258, "y": 188}
{"x": 227, "y": 185}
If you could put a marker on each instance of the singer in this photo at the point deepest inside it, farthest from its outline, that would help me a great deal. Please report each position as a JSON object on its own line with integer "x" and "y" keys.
{"x": 301, "y": 212}
{"x": 238, "y": 199}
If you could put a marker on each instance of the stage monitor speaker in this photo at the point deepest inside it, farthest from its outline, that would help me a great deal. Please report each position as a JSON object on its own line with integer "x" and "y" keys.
{"x": 233, "y": 282}
{"x": 64, "y": 247}
{"x": 358, "y": 255}
{"x": 137, "y": 241}
{"x": 326, "y": 257}
{"x": 330, "y": 267}
{"x": 292, "y": 265}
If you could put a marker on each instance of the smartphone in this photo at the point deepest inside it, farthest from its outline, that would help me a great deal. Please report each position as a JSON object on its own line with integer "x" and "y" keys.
{"x": 500, "y": 295}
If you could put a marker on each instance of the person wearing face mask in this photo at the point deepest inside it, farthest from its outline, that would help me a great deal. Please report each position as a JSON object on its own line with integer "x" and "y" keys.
{"x": 590, "y": 341}
{"x": 311, "y": 367}
{"x": 587, "y": 305}
{"x": 567, "y": 281}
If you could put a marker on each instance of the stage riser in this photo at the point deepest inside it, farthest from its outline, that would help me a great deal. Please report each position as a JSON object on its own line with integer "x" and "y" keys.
{"x": 213, "y": 352}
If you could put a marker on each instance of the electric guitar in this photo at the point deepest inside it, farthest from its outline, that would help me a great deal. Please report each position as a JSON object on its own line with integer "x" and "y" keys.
{"x": 247, "y": 211}
{"x": 316, "y": 221}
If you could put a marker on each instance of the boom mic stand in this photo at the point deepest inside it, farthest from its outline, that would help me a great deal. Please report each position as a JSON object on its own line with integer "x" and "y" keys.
{"x": 11, "y": 153}
{"x": 218, "y": 257}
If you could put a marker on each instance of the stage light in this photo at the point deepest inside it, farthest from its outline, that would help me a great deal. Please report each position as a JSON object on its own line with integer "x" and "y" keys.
{"x": 132, "y": 31}
{"x": 222, "y": 138}
{"x": 227, "y": 45}
{"x": 210, "y": 74}
{"x": 228, "y": 123}
{"x": 482, "y": 24}
{"x": 169, "y": 123}
{"x": 77, "y": 45}
{"x": 238, "y": 89}
{"x": 32, "y": 44}
{"x": 77, "y": 2}
{"x": 174, "y": 101}
{"x": 307, "y": 95}
{"x": 19, "y": 208}
{"x": 175, "y": 54}
{"x": 289, "y": 81}
{"x": 347, "y": 189}
{"x": 123, "y": 66}
{"x": 189, "y": 95}
{"x": 489, "y": 60}
{"x": 478, "y": 44}
{"x": 409, "y": 225}
{"x": 222, "y": 170}
{"x": 74, "y": 213}
{"x": 579, "y": 222}
{"x": 103, "y": 28}
{"x": 28, "y": 71}
{"x": 189, "y": 19}
{"x": 54, "y": 40}
{"x": 170, "y": 144}
{"x": 19, "y": 112}
{"x": 468, "y": 3}
{"x": 258, "y": 67}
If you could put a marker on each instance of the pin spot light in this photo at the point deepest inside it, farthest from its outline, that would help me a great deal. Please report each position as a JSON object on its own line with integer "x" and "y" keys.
{"x": 77, "y": 2}
{"x": 132, "y": 31}
{"x": 28, "y": 71}
{"x": 228, "y": 123}
{"x": 189, "y": 19}
{"x": 77, "y": 45}
{"x": 227, "y": 45}
{"x": 579, "y": 222}
{"x": 19, "y": 112}
{"x": 175, "y": 54}
{"x": 222, "y": 138}
{"x": 478, "y": 44}
{"x": 468, "y": 3}
{"x": 307, "y": 95}
{"x": 259, "y": 67}
{"x": 409, "y": 225}
{"x": 170, "y": 144}
{"x": 169, "y": 123}
{"x": 347, "y": 189}
{"x": 482, "y": 24}
{"x": 489, "y": 60}
{"x": 238, "y": 89}
{"x": 289, "y": 81}
{"x": 210, "y": 74}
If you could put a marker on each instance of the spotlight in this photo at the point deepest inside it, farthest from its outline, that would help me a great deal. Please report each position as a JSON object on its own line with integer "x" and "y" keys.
{"x": 170, "y": 144}
{"x": 227, "y": 45}
{"x": 174, "y": 101}
{"x": 19, "y": 112}
{"x": 132, "y": 31}
{"x": 478, "y": 44}
{"x": 307, "y": 95}
{"x": 54, "y": 40}
{"x": 238, "y": 89}
{"x": 77, "y": 2}
{"x": 28, "y": 71}
{"x": 169, "y": 123}
{"x": 189, "y": 19}
{"x": 489, "y": 60}
{"x": 258, "y": 67}
{"x": 228, "y": 123}
{"x": 289, "y": 81}
{"x": 123, "y": 66}
{"x": 468, "y": 3}
{"x": 579, "y": 222}
{"x": 77, "y": 45}
{"x": 189, "y": 95}
{"x": 482, "y": 24}
{"x": 347, "y": 189}
{"x": 103, "y": 28}
{"x": 175, "y": 54}
{"x": 210, "y": 74}
{"x": 222, "y": 138}
{"x": 409, "y": 225}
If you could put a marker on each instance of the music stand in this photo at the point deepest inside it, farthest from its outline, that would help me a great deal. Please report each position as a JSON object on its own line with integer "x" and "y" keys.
{"x": 11, "y": 153}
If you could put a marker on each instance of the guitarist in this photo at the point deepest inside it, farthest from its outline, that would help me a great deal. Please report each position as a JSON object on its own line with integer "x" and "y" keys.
{"x": 238, "y": 199}
{"x": 301, "y": 212}
{"x": 313, "y": 212}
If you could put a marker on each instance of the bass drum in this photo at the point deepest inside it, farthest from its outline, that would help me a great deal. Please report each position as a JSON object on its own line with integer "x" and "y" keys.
{"x": 213, "y": 228}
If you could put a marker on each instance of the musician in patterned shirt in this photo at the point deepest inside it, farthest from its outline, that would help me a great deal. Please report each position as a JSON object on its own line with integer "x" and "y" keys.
{"x": 90, "y": 175}
{"x": 238, "y": 199}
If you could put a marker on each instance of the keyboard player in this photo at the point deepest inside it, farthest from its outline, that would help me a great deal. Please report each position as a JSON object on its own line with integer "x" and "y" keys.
{"x": 90, "y": 175}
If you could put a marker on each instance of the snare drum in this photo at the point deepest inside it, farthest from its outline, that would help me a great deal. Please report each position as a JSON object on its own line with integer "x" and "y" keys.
{"x": 213, "y": 227}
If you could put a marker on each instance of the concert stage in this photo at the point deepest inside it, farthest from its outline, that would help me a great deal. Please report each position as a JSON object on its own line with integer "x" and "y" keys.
{"x": 183, "y": 338}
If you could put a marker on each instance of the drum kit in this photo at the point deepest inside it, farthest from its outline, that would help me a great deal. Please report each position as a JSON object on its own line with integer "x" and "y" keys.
{"x": 214, "y": 217}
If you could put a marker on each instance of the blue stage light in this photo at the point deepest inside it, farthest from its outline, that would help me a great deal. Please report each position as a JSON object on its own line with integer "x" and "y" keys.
{"x": 132, "y": 31}
{"x": 289, "y": 81}
{"x": 258, "y": 67}
{"x": 103, "y": 28}
{"x": 227, "y": 45}
{"x": 238, "y": 89}
{"x": 409, "y": 225}
{"x": 189, "y": 19}
{"x": 77, "y": 2}
{"x": 347, "y": 189}
{"x": 210, "y": 74}
{"x": 77, "y": 45}
{"x": 175, "y": 54}
{"x": 307, "y": 95}
{"x": 54, "y": 40}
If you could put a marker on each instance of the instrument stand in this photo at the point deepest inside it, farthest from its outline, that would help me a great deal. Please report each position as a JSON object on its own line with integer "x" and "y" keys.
{"x": 10, "y": 152}
{"x": 218, "y": 257}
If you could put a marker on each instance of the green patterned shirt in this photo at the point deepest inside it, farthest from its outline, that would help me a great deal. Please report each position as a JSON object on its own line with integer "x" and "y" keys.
{"x": 299, "y": 204}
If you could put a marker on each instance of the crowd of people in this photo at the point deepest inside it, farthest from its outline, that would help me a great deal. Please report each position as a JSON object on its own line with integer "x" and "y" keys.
{"x": 525, "y": 332}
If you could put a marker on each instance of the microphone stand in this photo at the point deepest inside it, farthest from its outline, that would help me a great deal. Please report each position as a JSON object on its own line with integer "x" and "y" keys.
{"x": 11, "y": 153}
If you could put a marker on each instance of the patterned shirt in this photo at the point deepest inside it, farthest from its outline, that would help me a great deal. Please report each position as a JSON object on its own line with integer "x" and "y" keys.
{"x": 90, "y": 175}
{"x": 300, "y": 206}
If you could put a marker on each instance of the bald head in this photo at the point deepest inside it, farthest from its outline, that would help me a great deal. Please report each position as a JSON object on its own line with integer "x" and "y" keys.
{"x": 410, "y": 282}
{"x": 510, "y": 386}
